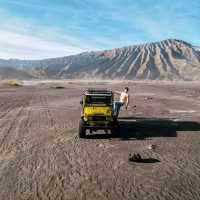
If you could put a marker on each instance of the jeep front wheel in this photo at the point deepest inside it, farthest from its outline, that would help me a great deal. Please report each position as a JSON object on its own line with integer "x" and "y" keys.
{"x": 82, "y": 130}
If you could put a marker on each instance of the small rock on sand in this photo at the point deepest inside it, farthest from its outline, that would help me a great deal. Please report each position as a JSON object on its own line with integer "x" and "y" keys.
{"x": 152, "y": 147}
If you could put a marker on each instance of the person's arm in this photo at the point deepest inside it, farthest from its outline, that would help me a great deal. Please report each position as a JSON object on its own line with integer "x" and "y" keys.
{"x": 117, "y": 92}
{"x": 127, "y": 102}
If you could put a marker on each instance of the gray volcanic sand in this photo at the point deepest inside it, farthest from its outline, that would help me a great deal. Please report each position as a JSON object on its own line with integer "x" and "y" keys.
{"x": 41, "y": 156}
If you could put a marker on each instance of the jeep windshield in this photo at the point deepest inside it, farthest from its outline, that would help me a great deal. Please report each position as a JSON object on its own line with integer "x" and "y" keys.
{"x": 98, "y": 99}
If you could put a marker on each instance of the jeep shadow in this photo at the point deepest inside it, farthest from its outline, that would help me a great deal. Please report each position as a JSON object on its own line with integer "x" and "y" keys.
{"x": 146, "y": 128}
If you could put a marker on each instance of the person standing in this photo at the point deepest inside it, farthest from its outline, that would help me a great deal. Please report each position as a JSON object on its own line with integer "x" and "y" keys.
{"x": 124, "y": 100}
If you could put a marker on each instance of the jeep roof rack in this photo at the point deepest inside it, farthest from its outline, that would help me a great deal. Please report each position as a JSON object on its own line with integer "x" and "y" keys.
{"x": 98, "y": 92}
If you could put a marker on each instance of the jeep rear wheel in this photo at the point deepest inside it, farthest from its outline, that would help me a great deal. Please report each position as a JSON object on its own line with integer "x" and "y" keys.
{"x": 115, "y": 130}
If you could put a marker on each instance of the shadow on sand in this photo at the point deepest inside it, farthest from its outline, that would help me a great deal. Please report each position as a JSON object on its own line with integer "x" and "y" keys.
{"x": 143, "y": 128}
{"x": 147, "y": 160}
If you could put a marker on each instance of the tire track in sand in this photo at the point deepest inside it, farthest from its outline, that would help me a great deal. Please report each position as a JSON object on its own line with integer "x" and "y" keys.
{"x": 15, "y": 128}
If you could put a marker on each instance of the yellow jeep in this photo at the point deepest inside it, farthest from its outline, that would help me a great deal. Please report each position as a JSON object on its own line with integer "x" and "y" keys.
{"x": 97, "y": 112}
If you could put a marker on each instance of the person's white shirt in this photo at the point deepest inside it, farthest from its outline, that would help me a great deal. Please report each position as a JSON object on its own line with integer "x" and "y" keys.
{"x": 123, "y": 97}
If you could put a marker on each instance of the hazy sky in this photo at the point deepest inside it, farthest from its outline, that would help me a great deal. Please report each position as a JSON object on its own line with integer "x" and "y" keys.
{"x": 33, "y": 29}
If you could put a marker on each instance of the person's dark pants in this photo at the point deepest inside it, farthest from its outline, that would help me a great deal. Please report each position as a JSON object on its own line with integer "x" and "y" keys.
{"x": 116, "y": 107}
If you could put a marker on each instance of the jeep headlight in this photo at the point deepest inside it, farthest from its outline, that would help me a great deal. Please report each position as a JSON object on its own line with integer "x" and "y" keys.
{"x": 85, "y": 118}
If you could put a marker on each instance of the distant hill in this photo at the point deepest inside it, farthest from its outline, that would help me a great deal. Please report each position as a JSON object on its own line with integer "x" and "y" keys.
{"x": 166, "y": 60}
{"x": 13, "y": 73}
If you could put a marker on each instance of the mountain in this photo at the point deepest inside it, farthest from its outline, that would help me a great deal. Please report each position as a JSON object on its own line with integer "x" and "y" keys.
{"x": 166, "y": 60}
{"x": 13, "y": 73}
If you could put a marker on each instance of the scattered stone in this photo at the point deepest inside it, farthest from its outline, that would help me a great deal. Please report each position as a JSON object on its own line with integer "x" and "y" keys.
{"x": 101, "y": 145}
{"x": 152, "y": 147}
{"x": 149, "y": 98}
{"x": 136, "y": 157}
